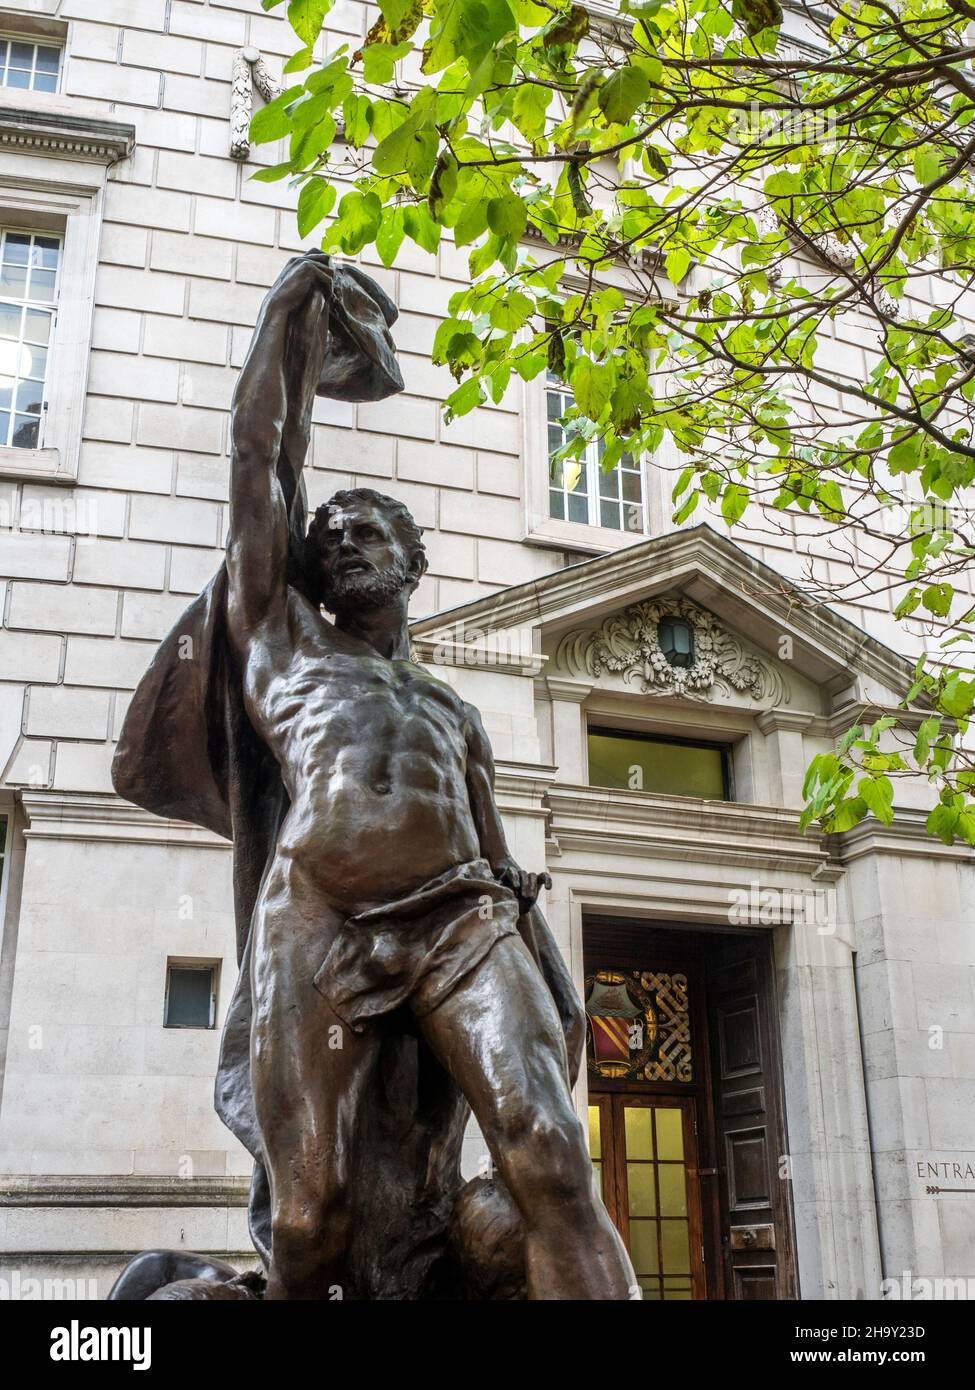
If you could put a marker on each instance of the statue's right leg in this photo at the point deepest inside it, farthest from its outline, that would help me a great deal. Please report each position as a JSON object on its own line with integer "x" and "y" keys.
{"x": 310, "y": 1073}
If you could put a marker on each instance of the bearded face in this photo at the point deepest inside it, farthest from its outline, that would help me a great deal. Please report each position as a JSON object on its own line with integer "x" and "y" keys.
{"x": 361, "y": 589}
{"x": 358, "y": 562}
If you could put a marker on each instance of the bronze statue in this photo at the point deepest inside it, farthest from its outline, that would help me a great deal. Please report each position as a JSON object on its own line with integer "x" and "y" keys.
{"x": 395, "y": 970}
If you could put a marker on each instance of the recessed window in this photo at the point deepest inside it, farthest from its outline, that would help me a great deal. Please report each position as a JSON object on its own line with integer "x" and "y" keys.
{"x": 191, "y": 996}
{"x": 669, "y": 766}
{"x": 30, "y": 66}
{"x": 581, "y": 490}
{"x": 28, "y": 291}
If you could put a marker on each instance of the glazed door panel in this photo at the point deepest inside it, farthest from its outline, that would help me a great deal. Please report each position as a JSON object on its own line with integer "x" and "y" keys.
{"x": 644, "y": 1153}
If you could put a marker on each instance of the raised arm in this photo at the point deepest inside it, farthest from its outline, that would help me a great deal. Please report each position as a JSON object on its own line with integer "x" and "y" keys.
{"x": 487, "y": 817}
{"x": 272, "y": 406}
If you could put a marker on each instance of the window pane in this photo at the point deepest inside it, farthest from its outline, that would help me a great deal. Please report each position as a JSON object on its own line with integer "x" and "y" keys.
{"x": 10, "y": 319}
{"x": 25, "y": 432}
{"x": 673, "y": 1189}
{"x": 13, "y": 281}
{"x": 636, "y": 1126}
{"x": 16, "y": 248}
{"x": 42, "y": 284}
{"x": 632, "y": 763}
{"x": 609, "y": 515}
{"x": 38, "y": 326}
{"x": 675, "y": 1247}
{"x": 608, "y": 484}
{"x": 48, "y": 59}
{"x": 29, "y": 397}
{"x": 556, "y": 504}
{"x": 578, "y": 508}
{"x": 632, "y": 491}
{"x": 188, "y": 998}
{"x": 670, "y": 1133}
{"x": 595, "y": 1133}
{"x": 641, "y": 1192}
{"x": 643, "y": 1247}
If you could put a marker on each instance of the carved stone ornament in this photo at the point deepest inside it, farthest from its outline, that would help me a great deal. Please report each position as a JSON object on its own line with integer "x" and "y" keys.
{"x": 249, "y": 71}
{"x": 627, "y": 645}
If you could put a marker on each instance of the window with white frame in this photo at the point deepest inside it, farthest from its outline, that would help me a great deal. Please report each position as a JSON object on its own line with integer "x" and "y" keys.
{"x": 29, "y": 66}
{"x": 29, "y": 263}
{"x": 582, "y": 490}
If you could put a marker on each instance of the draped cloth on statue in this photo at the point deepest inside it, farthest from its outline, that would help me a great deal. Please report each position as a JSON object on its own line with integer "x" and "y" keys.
{"x": 188, "y": 751}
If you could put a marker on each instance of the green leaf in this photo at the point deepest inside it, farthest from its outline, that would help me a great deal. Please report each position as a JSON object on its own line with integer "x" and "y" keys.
{"x": 528, "y": 109}
{"x": 314, "y": 204}
{"x": 942, "y": 822}
{"x": 272, "y": 121}
{"x": 421, "y": 228}
{"x": 928, "y": 731}
{"x": 733, "y": 502}
{"x": 389, "y": 238}
{"x": 306, "y": 16}
{"x": 592, "y": 384}
{"x": 623, "y": 93}
{"x": 676, "y": 264}
{"x": 937, "y": 599}
{"x": 359, "y": 219}
{"x": 507, "y": 216}
{"x": 878, "y": 793}
{"x": 850, "y": 812}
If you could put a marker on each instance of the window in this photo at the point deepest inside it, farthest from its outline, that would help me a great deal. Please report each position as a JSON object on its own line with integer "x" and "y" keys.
{"x": 614, "y": 500}
{"x": 50, "y": 221}
{"x": 191, "y": 995}
{"x": 668, "y": 766}
{"x": 28, "y": 288}
{"x": 29, "y": 65}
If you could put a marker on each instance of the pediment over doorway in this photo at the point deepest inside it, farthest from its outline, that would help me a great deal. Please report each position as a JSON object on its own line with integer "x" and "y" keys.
{"x": 774, "y": 644}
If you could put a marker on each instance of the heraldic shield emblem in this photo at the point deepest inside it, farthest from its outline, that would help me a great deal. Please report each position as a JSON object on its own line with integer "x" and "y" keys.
{"x": 637, "y": 1026}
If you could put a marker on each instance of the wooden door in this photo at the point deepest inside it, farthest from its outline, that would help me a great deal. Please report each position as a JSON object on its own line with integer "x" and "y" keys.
{"x": 644, "y": 1152}
{"x": 752, "y": 1155}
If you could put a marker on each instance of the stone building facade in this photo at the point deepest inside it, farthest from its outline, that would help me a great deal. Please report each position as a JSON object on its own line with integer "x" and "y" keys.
{"x": 827, "y": 1055}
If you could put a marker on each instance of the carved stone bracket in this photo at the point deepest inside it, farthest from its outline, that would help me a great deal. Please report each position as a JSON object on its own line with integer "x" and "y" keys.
{"x": 249, "y": 72}
{"x": 627, "y": 645}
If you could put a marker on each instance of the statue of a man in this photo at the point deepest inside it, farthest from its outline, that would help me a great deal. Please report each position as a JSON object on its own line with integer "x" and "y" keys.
{"x": 390, "y": 911}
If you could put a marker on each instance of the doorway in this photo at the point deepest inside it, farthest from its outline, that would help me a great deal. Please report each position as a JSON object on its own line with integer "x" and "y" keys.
{"x": 686, "y": 1118}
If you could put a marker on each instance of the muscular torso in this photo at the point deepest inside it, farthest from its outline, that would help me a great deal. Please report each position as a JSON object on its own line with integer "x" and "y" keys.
{"x": 373, "y": 754}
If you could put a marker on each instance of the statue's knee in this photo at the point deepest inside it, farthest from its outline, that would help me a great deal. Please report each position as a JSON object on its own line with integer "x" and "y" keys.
{"x": 308, "y": 1235}
{"x": 548, "y": 1159}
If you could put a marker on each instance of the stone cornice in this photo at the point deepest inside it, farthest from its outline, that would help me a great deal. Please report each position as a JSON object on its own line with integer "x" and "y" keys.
{"x": 122, "y": 1190}
{"x": 906, "y": 836}
{"x": 106, "y": 818}
{"x": 619, "y": 822}
{"x": 795, "y": 721}
{"x": 521, "y": 788}
{"x": 60, "y": 133}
